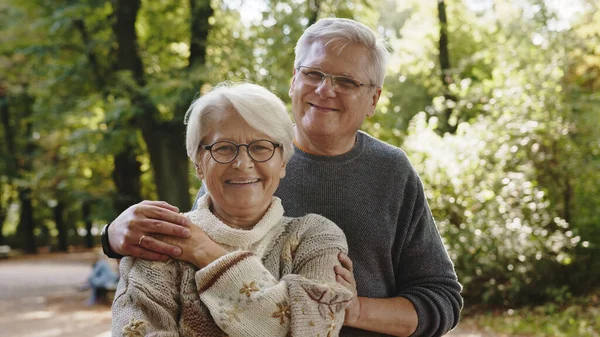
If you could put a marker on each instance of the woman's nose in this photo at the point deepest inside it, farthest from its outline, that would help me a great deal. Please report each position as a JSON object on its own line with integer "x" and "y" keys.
{"x": 243, "y": 160}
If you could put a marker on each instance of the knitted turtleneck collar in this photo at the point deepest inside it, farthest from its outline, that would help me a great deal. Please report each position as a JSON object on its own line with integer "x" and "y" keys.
{"x": 223, "y": 234}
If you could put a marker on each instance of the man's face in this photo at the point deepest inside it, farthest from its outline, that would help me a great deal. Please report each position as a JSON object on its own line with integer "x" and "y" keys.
{"x": 320, "y": 111}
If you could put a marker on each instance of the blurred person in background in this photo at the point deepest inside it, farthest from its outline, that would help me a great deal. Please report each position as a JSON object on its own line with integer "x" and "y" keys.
{"x": 102, "y": 281}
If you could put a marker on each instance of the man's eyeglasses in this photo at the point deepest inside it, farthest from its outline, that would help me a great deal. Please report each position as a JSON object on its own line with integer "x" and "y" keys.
{"x": 341, "y": 84}
{"x": 225, "y": 152}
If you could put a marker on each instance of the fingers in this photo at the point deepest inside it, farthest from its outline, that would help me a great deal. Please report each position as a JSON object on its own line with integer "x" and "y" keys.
{"x": 345, "y": 278}
{"x": 155, "y": 226}
{"x": 145, "y": 218}
{"x": 344, "y": 273}
{"x": 156, "y": 245}
{"x": 143, "y": 253}
{"x": 345, "y": 261}
{"x": 341, "y": 281}
{"x": 162, "y": 211}
{"x": 162, "y": 204}
{"x": 162, "y": 220}
{"x": 154, "y": 219}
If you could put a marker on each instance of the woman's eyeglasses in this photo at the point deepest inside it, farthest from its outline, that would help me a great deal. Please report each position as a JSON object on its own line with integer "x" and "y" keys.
{"x": 225, "y": 151}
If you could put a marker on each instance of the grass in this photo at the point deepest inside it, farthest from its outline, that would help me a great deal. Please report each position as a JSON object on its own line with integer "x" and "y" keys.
{"x": 579, "y": 317}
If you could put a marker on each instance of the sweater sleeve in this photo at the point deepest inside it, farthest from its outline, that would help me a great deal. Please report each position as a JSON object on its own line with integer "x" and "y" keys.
{"x": 245, "y": 299}
{"x": 426, "y": 274}
{"x": 146, "y": 300}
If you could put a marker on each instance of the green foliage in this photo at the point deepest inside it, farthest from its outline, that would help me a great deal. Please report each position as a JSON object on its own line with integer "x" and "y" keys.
{"x": 505, "y": 188}
{"x": 577, "y": 318}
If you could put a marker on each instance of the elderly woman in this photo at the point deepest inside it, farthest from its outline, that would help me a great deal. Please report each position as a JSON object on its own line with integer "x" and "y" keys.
{"x": 246, "y": 270}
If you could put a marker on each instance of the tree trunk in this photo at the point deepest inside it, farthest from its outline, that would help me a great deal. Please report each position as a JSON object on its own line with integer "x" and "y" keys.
{"x": 26, "y": 226}
{"x": 201, "y": 11}
{"x": 59, "y": 221}
{"x": 446, "y": 124}
{"x": 567, "y": 193}
{"x": 7, "y": 138}
{"x": 3, "y": 213}
{"x": 18, "y": 162}
{"x": 314, "y": 6}
{"x": 126, "y": 177}
{"x": 85, "y": 213}
{"x": 126, "y": 174}
{"x": 164, "y": 141}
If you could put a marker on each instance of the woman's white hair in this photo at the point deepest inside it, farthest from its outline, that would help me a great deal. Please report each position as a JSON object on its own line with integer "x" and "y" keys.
{"x": 344, "y": 32}
{"x": 258, "y": 106}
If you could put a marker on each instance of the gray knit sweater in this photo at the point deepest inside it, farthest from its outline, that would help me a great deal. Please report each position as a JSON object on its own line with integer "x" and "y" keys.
{"x": 375, "y": 195}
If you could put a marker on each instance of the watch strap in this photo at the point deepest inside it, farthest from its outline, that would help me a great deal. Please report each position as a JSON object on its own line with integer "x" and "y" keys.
{"x": 106, "y": 245}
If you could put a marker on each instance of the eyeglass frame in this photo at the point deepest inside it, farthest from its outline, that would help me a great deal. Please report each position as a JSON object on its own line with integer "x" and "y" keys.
{"x": 335, "y": 77}
{"x": 237, "y": 150}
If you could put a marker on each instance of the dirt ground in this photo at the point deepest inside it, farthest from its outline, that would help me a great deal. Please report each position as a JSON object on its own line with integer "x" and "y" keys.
{"x": 39, "y": 297}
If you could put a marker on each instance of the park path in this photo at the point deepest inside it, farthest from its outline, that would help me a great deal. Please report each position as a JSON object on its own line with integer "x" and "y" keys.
{"x": 39, "y": 297}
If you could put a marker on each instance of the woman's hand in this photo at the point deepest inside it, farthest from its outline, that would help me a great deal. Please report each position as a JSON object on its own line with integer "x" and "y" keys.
{"x": 198, "y": 249}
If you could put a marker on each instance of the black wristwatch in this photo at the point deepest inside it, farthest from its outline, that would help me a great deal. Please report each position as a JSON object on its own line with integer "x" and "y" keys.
{"x": 106, "y": 245}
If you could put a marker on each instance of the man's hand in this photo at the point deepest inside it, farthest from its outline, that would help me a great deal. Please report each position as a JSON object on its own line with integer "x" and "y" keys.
{"x": 129, "y": 233}
{"x": 345, "y": 277}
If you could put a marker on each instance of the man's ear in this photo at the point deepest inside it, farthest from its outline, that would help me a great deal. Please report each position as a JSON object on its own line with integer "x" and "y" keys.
{"x": 375, "y": 99}
{"x": 291, "y": 91}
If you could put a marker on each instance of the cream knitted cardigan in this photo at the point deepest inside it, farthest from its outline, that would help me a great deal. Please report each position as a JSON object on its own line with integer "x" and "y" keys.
{"x": 276, "y": 280}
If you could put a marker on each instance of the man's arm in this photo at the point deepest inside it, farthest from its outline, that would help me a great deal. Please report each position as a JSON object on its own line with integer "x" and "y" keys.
{"x": 425, "y": 279}
{"x": 394, "y": 316}
{"x": 144, "y": 219}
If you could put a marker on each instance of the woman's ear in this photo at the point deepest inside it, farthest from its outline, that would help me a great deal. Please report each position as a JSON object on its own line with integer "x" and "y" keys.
{"x": 282, "y": 171}
{"x": 199, "y": 172}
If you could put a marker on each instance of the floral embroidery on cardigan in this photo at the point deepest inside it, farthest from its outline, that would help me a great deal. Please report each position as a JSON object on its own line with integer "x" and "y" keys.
{"x": 135, "y": 328}
{"x": 233, "y": 313}
{"x": 328, "y": 302}
{"x": 249, "y": 288}
{"x": 283, "y": 311}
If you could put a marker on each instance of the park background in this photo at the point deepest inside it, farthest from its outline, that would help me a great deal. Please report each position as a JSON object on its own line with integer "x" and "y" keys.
{"x": 496, "y": 103}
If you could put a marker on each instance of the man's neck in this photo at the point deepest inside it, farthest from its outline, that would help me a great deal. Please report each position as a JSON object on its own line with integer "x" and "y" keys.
{"x": 323, "y": 146}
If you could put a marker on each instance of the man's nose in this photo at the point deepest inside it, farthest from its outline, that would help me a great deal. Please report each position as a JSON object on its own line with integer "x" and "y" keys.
{"x": 325, "y": 88}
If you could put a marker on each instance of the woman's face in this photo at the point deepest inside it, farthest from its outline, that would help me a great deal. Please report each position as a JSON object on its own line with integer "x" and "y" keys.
{"x": 241, "y": 191}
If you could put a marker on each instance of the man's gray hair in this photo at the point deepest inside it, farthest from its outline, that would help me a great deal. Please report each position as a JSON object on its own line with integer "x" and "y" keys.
{"x": 258, "y": 106}
{"x": 346, "y": 32}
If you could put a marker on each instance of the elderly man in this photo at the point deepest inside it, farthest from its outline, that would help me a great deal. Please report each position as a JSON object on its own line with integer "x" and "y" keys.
{"x": 403, "y": 277}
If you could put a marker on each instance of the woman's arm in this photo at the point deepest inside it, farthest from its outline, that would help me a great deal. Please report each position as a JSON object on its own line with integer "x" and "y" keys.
{"x": 245, "y": 299}
{"x": 146, "y": 300}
